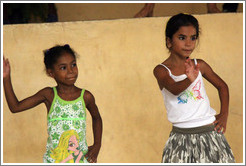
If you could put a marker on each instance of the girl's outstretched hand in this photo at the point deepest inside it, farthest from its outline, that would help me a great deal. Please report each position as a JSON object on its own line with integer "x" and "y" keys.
{"x": 92, "y": 153}
{"x": 220, "y": 122}
{"x": 191, "y": 70}
{"x": 6, "y": 68}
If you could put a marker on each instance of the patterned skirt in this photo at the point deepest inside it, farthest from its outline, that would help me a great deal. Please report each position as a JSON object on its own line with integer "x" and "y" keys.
{"x": 197, "y": 145}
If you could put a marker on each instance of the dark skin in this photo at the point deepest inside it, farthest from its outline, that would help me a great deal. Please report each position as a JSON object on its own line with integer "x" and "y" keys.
{"x": 179, "y": 63}
{"x": 65, "y": 73}
{"x": 146, "y": 11}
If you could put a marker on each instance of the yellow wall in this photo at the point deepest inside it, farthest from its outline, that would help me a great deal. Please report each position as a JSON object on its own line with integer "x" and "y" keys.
{"x": 116, "y": 64}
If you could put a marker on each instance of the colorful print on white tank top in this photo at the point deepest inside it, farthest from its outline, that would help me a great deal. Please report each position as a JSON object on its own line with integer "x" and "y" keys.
{"x": 66, "y": 141}
{"x": 191, "y": 94}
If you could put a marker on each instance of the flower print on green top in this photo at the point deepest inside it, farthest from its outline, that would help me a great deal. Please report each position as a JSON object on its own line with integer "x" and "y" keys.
{"x": 65, "y": 116}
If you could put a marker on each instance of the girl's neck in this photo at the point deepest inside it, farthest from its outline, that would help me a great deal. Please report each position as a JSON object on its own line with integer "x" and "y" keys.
{"x": 66, "y": 89}
{"x": 177, "y": 60}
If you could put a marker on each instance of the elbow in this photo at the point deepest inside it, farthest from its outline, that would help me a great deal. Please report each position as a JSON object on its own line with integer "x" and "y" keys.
{"x": 15, "y": 109}
{"x": 223, "y": 87}
{"x": 175, "y": 91}
{"x": 97, "y": 119}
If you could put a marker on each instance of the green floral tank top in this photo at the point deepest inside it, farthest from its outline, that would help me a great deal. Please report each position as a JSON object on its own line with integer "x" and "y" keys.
{"x": 66, "y": 130}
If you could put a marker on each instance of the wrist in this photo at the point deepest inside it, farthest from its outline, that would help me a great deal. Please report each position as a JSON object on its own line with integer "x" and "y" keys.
{"x": 97, "y": 145}
{"x": 189, "y": 80}
{"x": 224, "y": 112}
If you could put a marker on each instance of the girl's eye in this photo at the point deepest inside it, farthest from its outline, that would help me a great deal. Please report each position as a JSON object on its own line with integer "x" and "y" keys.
{"x": 73, "y": 65}
{"x": 193, "y": 38}
{"x": 63, "y": 68}
{"x": 181, "y": 38}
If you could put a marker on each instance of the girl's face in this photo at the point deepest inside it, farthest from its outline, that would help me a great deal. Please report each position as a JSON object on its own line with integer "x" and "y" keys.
{"x": 65, "y": 70}
{"x": 183, "y": 41}
{"x": 73, "y": 143}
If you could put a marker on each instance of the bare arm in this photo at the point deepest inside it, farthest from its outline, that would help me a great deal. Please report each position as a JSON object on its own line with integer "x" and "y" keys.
{"x": 223, "y": 90}
{"x": 165, "y": 81}
{"x": 146, "y": 11}
{"x": 97, "y": 127}
{"x": 14, "y": 104}
{"x": 212, "y": 8}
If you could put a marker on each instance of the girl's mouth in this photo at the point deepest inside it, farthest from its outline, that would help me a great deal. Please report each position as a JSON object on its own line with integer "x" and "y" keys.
{"x": 72, "y": 78}
{"x": 188, "y": 50}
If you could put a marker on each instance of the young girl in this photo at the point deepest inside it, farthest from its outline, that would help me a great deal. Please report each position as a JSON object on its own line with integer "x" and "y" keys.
{"x": 66, "y": 107}
{"x": 197, "y": 134}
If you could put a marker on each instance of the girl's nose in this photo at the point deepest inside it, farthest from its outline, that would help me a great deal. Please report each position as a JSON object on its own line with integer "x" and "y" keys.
{"x": 70, "y": 70}
{"x": 188, "y": 42}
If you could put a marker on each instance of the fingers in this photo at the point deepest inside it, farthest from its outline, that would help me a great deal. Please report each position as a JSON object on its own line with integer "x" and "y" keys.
{"x": 189, "y": 63}
{"x": 90, "y": 155}
{"x": 197, "y": 67}
{"x": 92, "y": 159}
{"x": 220, "y": 128}
{"x": 186, "y": 67}
{"x": 217, "y": 128}
{"x": 6, "y": 61}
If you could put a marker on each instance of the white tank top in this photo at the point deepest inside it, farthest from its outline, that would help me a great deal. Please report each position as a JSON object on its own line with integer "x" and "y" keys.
{"x": 191, "y": 108}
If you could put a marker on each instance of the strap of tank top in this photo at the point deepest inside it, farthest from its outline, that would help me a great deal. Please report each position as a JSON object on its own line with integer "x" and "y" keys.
{"x": 55, "y": 92}
{"x": 195, "y": 61}
{"x": 83, "y": 101}
{"x": 166, "y": 68}
{"x": 82, "y": 92}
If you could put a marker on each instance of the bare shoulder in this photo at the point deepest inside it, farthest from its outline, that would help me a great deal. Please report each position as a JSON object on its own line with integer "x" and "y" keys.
{"x": 88, "y": 97}
{"x": 160, "y": 71}
{"x": 200, "y": 61}
{"x": 47, "y": 92}
{"x": 203, "y": 65}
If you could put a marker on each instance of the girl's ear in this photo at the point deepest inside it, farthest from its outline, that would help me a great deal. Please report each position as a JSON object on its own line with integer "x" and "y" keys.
{"x": 49, "y": 72}
{"x": 169, "y": 42}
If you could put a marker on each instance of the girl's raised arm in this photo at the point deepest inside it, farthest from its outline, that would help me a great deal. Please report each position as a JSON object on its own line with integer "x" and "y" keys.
{"x": 14, "y": 104}
{"x": 165, "y": 81}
